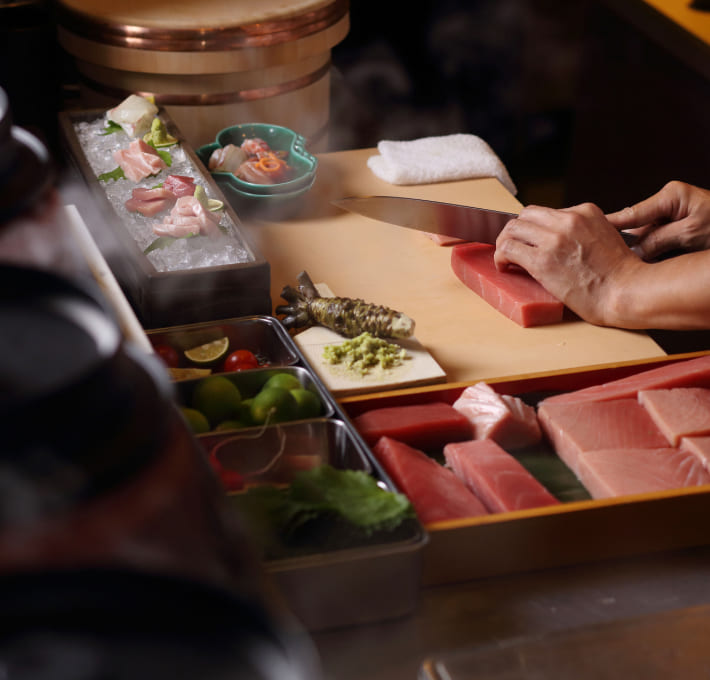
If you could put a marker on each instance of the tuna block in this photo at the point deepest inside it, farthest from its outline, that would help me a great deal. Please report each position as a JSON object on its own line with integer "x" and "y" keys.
{"x": 577, "y": 428}
{"x": 620, "y": 472}
{"x": 423, "y": 426}
{"x": 687, "y": 373}
{"x": 678, "y": 412}
{"x": 513, "y": 293}
{"x": 504, "y": 419}
{"x": 699, "y": 447}
{"x": 436, "y": 493}
{"x": 496, "y": 477}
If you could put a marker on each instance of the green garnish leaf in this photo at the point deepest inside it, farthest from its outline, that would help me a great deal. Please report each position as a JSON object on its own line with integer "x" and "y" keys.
{"x": 111, "y": 127}
{"x": 163, "y": 154}
{"x": 115, "y": 174}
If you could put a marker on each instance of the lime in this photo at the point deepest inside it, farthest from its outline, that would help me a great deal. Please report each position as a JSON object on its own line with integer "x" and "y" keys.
{"x": 287, "y": 381}
{"x": 209, "y": 352}
{"x": 273, "y": 405}
{"x": 196, "y": 420}
{"x": 230, "y": 425}
{"x": 217, "y": 397}
{"x": 307, "y": 403}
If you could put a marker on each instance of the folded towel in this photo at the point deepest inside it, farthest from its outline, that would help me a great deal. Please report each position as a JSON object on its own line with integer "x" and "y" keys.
{"x": 438, "y": 159}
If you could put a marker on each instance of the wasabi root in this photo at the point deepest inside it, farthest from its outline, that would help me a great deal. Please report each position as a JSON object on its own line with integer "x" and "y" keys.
{"x": 347, "y": 316}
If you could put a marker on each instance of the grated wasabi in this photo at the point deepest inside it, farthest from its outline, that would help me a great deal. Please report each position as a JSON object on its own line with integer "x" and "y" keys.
{"x": 364, "y": 353}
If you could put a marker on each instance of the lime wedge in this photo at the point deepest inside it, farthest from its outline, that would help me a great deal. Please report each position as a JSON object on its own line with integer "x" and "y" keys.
{"x": 213, "y": 205}
{"x": 209, "y": 352}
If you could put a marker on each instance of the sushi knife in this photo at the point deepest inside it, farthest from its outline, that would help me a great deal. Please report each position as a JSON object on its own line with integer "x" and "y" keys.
{"x": 469, "y": 223}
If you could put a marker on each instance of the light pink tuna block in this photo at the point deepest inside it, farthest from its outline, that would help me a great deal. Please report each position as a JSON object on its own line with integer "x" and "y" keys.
{"x": 580, "y": 427}
{"x": 503, "y": 418}
{"x": 678, "y": 412}
{"x": 513, "y": 293}
{"x": 616, "y": 472}
{"x": 496, "y": 477}
{"x": 699, "y": 447}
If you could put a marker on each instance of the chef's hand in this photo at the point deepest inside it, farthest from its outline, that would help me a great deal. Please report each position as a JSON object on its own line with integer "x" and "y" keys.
{"x": 576, "y": 253}
{"x": 676, "y": 218}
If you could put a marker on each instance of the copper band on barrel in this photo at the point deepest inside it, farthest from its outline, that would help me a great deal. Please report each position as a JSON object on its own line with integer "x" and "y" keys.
{"x": 261, "y": 34}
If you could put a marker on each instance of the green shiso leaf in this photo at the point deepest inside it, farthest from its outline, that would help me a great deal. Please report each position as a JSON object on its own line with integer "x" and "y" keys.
{"x": 115, "y": 174}
{"x": 111, "y": 128}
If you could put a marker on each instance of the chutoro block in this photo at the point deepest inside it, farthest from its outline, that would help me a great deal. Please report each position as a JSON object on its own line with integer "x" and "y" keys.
{"x": 678, "y": 412}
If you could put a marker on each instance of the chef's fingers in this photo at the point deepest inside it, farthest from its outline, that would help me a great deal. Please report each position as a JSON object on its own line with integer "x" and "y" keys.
{"x": 670, "y": 203}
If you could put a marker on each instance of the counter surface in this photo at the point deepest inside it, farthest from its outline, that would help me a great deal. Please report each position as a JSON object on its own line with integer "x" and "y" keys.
{"x": 404, "y": 269}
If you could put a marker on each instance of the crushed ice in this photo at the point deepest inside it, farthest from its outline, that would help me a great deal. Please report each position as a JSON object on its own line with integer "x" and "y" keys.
{"x": 184, "y": 253}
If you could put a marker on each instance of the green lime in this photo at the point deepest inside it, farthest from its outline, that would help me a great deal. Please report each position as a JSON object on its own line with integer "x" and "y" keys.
{"x": 287, "y": 381}
{"x": 234, "y": 424}
{"x": 273, "y": 405}
{"x": 208, "y": 353}
{"x": 245, "y": 412}
{"x": 217, "y": 397}
{"x": 196, "y": 420}
{"x": 307, "y": 403}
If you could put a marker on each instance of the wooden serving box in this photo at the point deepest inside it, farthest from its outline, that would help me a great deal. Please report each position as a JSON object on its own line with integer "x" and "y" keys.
{"x": 570, "y": 533}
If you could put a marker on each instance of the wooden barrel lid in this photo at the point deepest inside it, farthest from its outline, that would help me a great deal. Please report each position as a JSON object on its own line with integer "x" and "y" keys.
{"x": 183, "y": 25}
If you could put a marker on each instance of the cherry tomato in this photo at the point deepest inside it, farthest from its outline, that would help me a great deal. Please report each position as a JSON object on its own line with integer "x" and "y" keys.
{"x": 240, "y": 360}
{"x": 231, "y": 479}
{"x": 168, "y": 354}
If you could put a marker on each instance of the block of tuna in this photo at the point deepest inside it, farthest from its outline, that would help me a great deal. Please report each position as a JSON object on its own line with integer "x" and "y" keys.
{"x": 620, "y": 472}
{"x": 589, "y": 426}
{"x": 513, "y": 293}
{"x": 503, "y": 418}
{"x": 678, "y": 412}
{"x": 423, "y": 426}
{"x": 688, "y": 373}
{"x": 699, "y": 447}
{"x": 435, "y": 491}
{"x": 496, "y": 477}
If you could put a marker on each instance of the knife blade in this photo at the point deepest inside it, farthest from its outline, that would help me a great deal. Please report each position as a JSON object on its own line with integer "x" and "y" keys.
{"x": 448, "y": 219}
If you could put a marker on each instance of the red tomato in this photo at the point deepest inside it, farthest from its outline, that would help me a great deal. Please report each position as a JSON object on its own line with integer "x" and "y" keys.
{"x": 168, "y": 354}
{"x": 240, "y": 360}
{"x": 231, "y": 479}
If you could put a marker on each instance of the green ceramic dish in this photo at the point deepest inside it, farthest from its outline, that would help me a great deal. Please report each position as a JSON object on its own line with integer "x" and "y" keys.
{"x": 278, "y": 138}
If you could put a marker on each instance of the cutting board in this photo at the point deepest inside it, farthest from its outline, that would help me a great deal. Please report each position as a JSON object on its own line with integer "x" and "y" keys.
{"x": 419, "y": 368}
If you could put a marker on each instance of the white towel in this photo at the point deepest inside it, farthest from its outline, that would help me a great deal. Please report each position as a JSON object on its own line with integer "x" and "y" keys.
{"x": 438, "y": 159}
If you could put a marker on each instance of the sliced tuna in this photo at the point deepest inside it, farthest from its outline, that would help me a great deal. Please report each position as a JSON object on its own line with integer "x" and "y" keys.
{"x": 619, "y": 472}
{"x": 687, "y": 373}
{"x": 699, "y": 447}
{"x": 678, "y": 412}
{"x": 514, "y": 293}
{"x": 424, "y": 426}
{"x": 506, "y": 419}
{"x": 435, "y": 491}
{"x": 139, "y": 160}
{"x": 577, "y": 428}
{"x": 496, "y": 477}
{"x": 150, "y": 202}
{"x": 180, "y": 185}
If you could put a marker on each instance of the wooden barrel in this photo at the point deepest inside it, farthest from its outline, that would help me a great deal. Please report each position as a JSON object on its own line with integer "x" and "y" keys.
{"x": 211, "y": 63}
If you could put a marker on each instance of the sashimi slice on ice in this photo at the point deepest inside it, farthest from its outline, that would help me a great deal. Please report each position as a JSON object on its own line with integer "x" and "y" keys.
{"x": 139, "y": 160}
{"x": 576, "y": 428}
{"x": 496, "y": 477}
{"x": 513, "y": 293}
{"x": 614, "y": 472}
{"x": 423, "y": 426}
{"x": 503, "y": 418}
{"x": 687, "y": 373}
{"x": 678, "y": 412}
{"x": 435, "y": 491}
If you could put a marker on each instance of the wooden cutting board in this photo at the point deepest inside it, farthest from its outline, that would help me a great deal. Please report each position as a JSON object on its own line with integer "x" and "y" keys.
{"x": 419, "y": 368}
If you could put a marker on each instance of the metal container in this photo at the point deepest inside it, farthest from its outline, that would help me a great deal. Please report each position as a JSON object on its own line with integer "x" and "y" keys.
{"x": 162, "y": 298}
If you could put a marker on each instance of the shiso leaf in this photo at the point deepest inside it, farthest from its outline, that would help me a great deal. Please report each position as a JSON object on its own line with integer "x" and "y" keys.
{"x": 115, "y": 174}
{"x": 111, "y": 128}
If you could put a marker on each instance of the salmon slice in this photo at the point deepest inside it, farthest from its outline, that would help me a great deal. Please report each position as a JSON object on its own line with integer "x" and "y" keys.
{"x": 577, "y": 428}
{"x": 505, "y": 419}
{"x": 620, "y": 472}
{"x": 513, "y": 293}
{"x": 423, "y": 426}
{"x": 687, "y": 373}
{"x": 496, "y": 477}
{"x": 435, "y": 491}
{"x": 678, "y": 412}
{"x": 699, "y": 447}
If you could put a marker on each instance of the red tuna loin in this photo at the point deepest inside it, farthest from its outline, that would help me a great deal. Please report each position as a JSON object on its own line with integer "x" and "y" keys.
{"x": 505, "y": 419}
{"x": 513, "y": 293}
{"x": 435, "y": 491}
{"x": 688, "y": 373}
{"x": 424, "y": 426}
{"x": 678, "y": 412}
{"x": 699, "y": 447}
{"x": 620, "y": 472}
{"x": 495, "y": 477}
{"x": 589, "y": 426}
